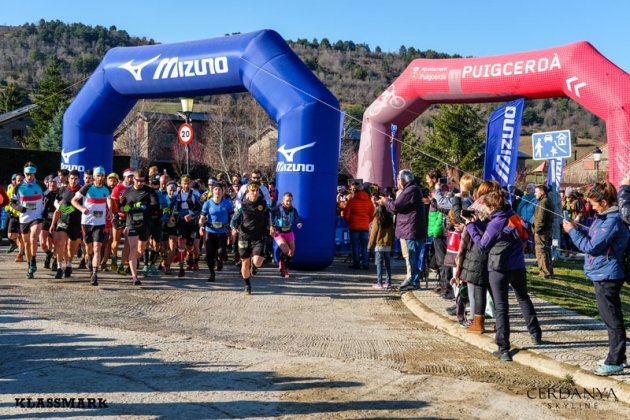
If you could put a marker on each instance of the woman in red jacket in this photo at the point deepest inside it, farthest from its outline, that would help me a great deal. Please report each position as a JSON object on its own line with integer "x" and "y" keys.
{"x": 359, "y": 213}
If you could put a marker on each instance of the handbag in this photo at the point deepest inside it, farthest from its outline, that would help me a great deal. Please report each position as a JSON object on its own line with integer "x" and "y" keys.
{"x": 498, "y": 256}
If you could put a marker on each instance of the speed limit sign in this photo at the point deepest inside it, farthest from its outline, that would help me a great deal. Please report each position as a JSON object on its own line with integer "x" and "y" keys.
{"x": 185, "y": 134}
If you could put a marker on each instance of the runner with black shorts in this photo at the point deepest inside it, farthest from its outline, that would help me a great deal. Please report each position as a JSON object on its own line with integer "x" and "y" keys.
{"x": 66, "y": 226}
{"x": 169, "y": 226}
{"x": 13, "y": 229}
{"x": 118, "y": 222}
{"x": 250, "y": 223}
{"x": 184, "y": 210}
{"x": 91, "y": 202}
{"x": 215, "y": 217}
{"x": 28, "y": 200}
{"x": 139, "y": 202}
{"x": 46, "y": 239}
{"x": 152, "y": 252}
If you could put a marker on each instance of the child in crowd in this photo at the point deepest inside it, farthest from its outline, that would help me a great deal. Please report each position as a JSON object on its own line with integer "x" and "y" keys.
{"x": 381, "y": 241}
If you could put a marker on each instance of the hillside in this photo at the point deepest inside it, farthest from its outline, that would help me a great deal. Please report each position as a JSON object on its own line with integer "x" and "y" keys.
{"x": 354, "y": 72}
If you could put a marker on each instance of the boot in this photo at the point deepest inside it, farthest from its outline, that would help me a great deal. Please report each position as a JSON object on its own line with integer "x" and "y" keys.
{"x": 477, "y": 326}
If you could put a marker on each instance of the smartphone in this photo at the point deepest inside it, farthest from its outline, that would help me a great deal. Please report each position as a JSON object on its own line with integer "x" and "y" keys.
{"x": 565, "y": 214}
{"x": 467, "y": 213}
{"x": 443, "y": 181}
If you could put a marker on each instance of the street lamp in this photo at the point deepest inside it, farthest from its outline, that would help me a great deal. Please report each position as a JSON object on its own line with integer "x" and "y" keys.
{"x": 597, "y": 157}
{"x": 187, "y": 108}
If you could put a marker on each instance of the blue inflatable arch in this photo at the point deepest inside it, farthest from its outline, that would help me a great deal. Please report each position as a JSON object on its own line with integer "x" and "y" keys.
{"x": 259, "y": 62}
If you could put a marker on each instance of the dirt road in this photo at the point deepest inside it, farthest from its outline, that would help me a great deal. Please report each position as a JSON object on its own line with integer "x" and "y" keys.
{"x": 317, "y": 345}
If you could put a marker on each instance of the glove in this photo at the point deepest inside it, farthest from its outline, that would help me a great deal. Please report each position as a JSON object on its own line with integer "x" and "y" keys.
{"x": 126, "y": 208}
{"x": 140, "y": 206}
{"x": 21, "y": 209}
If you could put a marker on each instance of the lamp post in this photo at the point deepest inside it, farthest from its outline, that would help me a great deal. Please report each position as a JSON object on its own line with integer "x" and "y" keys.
{"x": 187, "y": 108}
{"x": 597, "y": 157}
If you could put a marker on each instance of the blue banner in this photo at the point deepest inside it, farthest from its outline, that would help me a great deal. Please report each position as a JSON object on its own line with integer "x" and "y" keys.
{"x": 554, "y": 172}
{"x": 394, "y": 128}
{"x": 502, "y": 139}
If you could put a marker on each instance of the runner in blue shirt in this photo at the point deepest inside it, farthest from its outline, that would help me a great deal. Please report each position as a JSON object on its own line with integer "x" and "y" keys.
{"x": 215, "y": 216}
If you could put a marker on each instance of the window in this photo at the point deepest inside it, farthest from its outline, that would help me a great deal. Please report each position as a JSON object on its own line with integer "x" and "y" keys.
{"x": 17, "y": 134}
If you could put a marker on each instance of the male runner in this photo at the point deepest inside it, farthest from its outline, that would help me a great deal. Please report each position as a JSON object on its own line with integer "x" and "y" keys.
{"x": 139, "y": 202}
{"x": 119, "y": 221}
{"x": 28, "y": 200}
{"x": 184, "y": 210}
{"x": 250, "y": 223}
{"x": 91, "y": 202}
{"x": 46, "y": 239}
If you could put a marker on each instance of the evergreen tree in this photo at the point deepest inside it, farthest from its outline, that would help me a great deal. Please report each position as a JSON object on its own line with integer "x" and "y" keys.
{"x": 52, "y": 140}
{"x": 52, "y": 94}
{"x": 454, "y": 140}
{"x": 11, "y": 98}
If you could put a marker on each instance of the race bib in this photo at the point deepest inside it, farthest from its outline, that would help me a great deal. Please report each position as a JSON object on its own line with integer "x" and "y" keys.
{"x": 97, "y": 214}
{"x": 49, "y": 215}
{"x": 285, "y": 228}
{"x": 243, "y": 244}
{"x": 137, "y": 217}
{"x": 62, "y": 225}
{"x": 217, "y": 225}
{"x": 31, "y": 206}
{"x": 193, "y": 235}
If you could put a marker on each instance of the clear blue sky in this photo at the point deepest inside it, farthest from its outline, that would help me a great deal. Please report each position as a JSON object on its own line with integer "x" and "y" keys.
{"x": 465, "y": 27}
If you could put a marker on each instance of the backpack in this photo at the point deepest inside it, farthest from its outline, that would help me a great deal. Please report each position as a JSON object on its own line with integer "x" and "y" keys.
{"x": 517, "y": 222}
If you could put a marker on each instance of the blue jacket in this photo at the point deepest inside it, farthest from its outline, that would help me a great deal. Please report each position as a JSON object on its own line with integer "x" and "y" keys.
{"x": 526, "y": 207}
{"x": 498, "y": 230}
{"x": 603, "y": 245}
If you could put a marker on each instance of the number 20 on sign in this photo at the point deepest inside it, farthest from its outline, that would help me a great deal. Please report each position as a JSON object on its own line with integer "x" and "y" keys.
{"x": 185, "y": 134}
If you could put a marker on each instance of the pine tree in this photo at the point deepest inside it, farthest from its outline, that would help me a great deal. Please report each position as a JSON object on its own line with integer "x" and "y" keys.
{"x": 11, "y": 98}
{"x": 52, "y": 140}
{"x": 52, "y": 93}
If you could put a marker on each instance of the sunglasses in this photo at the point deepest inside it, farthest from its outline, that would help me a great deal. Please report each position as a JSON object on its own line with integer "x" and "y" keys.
{"x": 139, "y": 180}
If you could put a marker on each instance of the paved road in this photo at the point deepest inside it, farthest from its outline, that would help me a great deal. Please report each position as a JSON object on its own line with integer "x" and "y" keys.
{"x": 317, "y": 345}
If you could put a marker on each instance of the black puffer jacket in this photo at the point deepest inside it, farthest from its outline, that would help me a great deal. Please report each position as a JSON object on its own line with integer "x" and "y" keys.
{"x": 475, "y": 265}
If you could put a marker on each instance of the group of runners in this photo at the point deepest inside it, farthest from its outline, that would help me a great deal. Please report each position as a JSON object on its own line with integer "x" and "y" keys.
{"x": 163, "y": 222}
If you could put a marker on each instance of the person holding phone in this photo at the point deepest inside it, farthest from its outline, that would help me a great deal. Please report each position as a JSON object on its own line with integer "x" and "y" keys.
{"x": 604, "y": 245}
{"x": 542, "y": 227}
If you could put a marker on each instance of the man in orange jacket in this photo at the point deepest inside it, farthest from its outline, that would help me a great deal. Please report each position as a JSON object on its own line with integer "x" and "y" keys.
{"x": 358, "y": 213}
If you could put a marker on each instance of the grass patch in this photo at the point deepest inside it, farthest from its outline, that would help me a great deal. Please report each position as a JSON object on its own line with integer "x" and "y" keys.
{"x": 571, "y": 290}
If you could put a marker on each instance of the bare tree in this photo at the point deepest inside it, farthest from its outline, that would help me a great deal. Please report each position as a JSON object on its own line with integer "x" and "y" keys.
{"x": 349, "y": 158}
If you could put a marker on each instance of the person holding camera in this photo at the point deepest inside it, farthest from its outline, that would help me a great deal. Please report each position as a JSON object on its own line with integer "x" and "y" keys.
{"x": 604, "y": 246}
{"x": 502, "y": 240}
{"x": 411, "y": 223}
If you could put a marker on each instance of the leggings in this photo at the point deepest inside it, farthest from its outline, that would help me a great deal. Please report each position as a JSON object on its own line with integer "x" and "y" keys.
{"x": 216, "y": 244}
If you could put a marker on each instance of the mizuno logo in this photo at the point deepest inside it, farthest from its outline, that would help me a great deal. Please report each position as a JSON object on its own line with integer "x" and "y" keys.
{"x": 288, "y": 153}
{"x": 66, "y": 156}
{"x": 136, "y": 71}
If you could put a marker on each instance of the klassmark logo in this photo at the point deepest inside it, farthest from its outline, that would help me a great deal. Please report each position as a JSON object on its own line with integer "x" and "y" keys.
{"x": 289, "y": 154}
{"x": 66, "y": 160}
{"x": 174, "y": 68}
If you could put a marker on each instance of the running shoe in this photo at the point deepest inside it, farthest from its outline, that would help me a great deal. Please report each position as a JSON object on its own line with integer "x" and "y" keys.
{"x": 103, "y": 266}
{"x": 29, "y": 275}
{"x": 504, "y": 356}
{"x": 32, "y": 268}
{"x": 94, "y": 280}
{"x": 82, "y": 265}
{"x": 136, "y": 282}
{"x": 211, "y": 278}
{"x": 607, "y": 370}
{"x": 128, "y": 268}
{"x": 67, "y": 272}
{"x": 145, "y": 271}
{"x": 122, "y": 271}
{"x": 152, "y": 269}
{"x": 114, "y": 266}
{"x": 47, "y": 261}
{"x": 253, "y": 270}
{"x": 387, "y": 286}
{"x": 248, "y": 290}
{"x": 12, "y": 248}
{"x": 219, "y": 265}
{"x": 59, "y": 274}
{"x": 167, "y": 269}
{"x": 181, "y": 273}
{"x": 53, "y": 265}
{"x": 195, "y": 266}
{"x": 377, "y": 286}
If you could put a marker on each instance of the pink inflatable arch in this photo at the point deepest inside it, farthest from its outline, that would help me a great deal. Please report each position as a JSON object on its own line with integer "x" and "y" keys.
{"x": 576, "y": 70}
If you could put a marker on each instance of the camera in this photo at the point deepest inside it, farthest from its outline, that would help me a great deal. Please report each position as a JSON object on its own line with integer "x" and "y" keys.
{"x": 443, "y": 181}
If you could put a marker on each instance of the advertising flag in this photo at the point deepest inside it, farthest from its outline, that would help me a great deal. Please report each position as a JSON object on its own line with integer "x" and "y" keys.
{"x": 554, "y": 172}
{"x": 502, "y": 139}
{"x": 392, "y": 146}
